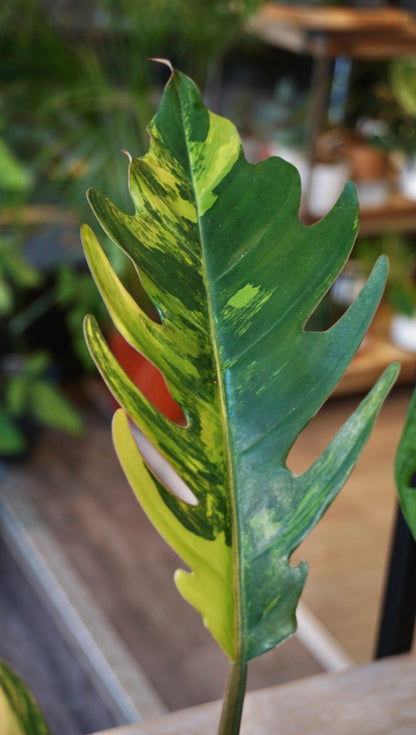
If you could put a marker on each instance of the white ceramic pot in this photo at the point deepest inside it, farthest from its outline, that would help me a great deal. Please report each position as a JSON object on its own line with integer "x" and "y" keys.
{"x": 407, "y": 179}
{"x": 296, "y": 157}
{"x": 328, "y": 181}
{"x": 403, "y": 332}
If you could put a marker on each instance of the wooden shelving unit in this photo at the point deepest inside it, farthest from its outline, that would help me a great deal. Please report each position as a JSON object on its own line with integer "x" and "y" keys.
{"x": 326, "y": 33}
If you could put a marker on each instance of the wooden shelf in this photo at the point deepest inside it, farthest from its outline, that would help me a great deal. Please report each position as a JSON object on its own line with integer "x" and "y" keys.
{"x": 377, "y": 698}
{"x": 319, "y": 31}
{"x": 375, "y": 354}
{"x": 37, "y": 214}
{"x": 396, "y": 215}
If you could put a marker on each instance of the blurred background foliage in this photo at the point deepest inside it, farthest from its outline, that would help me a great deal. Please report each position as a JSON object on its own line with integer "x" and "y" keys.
{"x": 76, "y": 87}
{"x": 76, "y": 83}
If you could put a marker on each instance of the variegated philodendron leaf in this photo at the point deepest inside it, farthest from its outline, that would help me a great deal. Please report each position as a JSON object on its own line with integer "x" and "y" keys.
{"x": 235, "y": 277}
{"x": 19, "y": 715}
{"x": 405, "y": 467}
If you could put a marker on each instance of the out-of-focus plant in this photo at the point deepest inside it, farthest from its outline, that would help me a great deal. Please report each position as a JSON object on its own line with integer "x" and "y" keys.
{"x": 386, "y": 115}
{"x": 15, "y": 180}
{"x": 400, "y": 293}
{"x": 15, "y": 273}
{"x": 28, "y": 398}
{"x": 403, "y": 83}
{"x": 28, "y": 393}
{"x": 77, "y": 84}
{"x": 283, "y": 117}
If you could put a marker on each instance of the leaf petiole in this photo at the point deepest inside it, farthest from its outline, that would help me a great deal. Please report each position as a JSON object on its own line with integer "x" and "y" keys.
{"x": 232, "y": 706}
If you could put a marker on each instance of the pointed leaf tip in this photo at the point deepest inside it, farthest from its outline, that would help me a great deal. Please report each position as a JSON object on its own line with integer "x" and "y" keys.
{"x": 165, "y": 62}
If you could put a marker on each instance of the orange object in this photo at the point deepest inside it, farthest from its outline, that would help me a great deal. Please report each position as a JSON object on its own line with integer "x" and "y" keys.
{"x": 147, "y": 378}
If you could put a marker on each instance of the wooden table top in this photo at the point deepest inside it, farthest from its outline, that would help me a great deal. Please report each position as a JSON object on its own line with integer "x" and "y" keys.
{"x": 376, "y": 699}
{"x": 358, "y": 32}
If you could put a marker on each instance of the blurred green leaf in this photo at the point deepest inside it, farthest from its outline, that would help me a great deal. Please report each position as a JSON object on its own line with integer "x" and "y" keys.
{"x": 402, "y": 298}
{"x": 19, "y": 714}
{"x": 400, "y": 291}
{"x": 14, "y": 176}
{"x": 17, "y": 394}
{"x": 403, "y": 83}
{"x": 6, "y": 297}
{"x": 12, "y": 440}
{"x": 51, "y": 408}
{"x": 36, "y": 364}
{"x": 22, "y": 273}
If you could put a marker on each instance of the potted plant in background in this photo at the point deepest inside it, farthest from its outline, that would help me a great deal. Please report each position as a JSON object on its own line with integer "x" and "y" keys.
{"x": 388, "y": 124}
{"x": 400, "y": 294}
{"x": 29, "y": 394}
{"x": 403, "y": 86}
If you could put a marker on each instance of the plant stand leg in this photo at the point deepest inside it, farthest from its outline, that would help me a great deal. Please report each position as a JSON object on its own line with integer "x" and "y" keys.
{"x": 232, "y": 707}
{"x": 399, "y": 607}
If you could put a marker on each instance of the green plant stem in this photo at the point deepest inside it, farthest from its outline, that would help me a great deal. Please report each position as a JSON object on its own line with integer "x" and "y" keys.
{"x": 232, "y": 706}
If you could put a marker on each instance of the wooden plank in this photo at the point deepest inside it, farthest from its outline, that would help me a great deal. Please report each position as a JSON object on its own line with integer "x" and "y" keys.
{"x": 375, "y": 354}
{"x": 327, "y": 19}
{"x": 377, "y": 699}
{"x": 398, "y": 214}
{"x": 332, "y": 31}
{"x": 37, "y": 214}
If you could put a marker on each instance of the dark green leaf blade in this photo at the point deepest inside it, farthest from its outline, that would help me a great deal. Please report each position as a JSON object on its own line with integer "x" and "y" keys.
{"x": 269, "y": 542}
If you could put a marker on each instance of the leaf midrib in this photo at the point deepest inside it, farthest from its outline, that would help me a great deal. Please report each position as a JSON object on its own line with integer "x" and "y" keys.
{"x": 224, "y": 419}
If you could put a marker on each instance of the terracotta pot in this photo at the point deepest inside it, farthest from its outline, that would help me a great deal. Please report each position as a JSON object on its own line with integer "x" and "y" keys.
{"x": 367, "y": 162}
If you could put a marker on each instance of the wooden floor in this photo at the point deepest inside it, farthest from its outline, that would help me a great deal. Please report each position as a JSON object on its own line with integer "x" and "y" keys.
{"x": 78, "y": 488}
{"x": 32, "y": 645}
